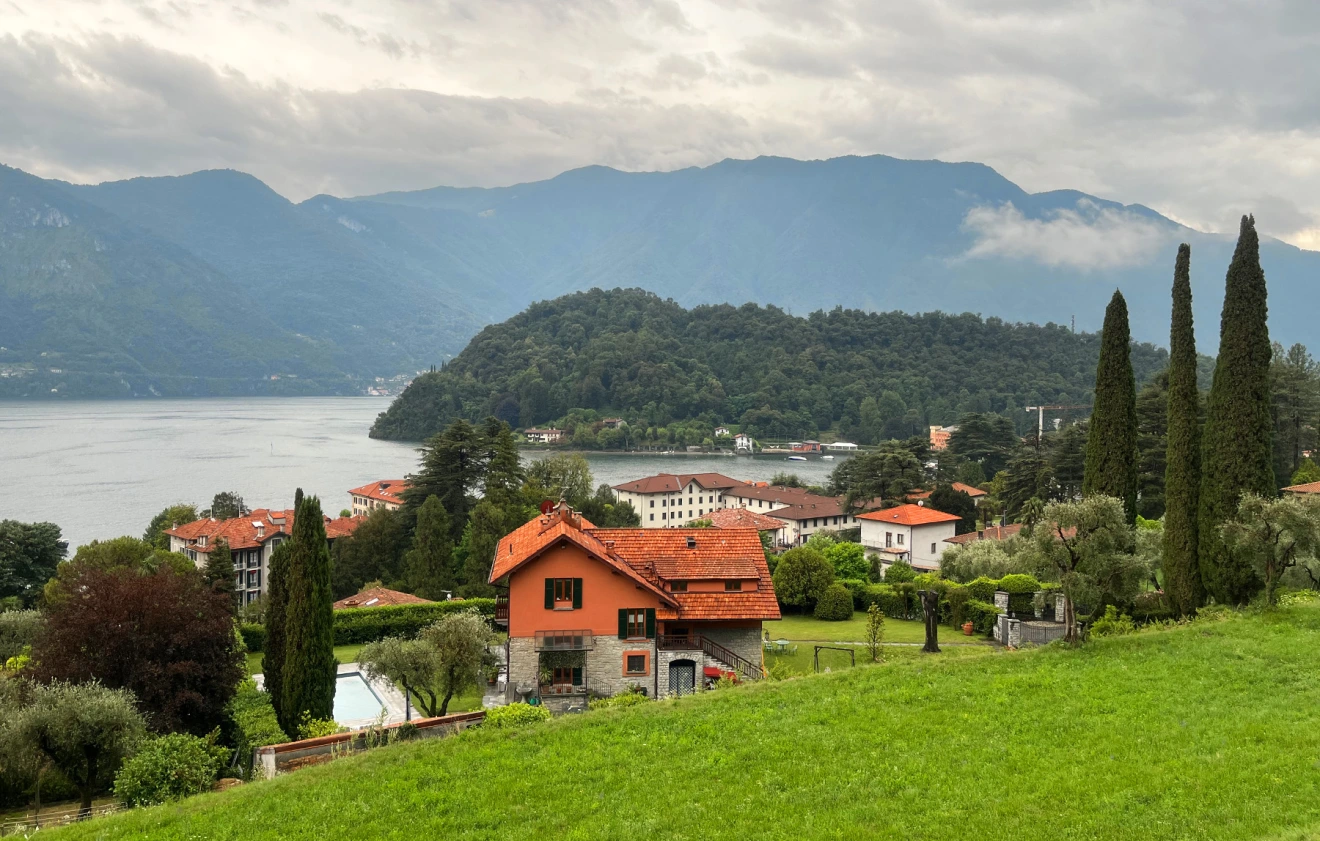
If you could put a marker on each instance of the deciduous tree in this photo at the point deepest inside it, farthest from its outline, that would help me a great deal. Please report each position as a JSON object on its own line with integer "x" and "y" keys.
{"x": 227, "y": 505}
{"x": 462, "y": 644}
{"x": 801, "y": 577}
{"x": 173, "y": 515}
{"x": 1275, "y": 536}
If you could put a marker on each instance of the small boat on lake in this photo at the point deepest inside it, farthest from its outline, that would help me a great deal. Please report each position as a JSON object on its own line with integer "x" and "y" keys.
{"x": 796, "y": 458}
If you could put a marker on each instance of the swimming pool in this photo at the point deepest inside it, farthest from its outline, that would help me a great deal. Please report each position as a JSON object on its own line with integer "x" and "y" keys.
{"x": 354, "y": 699}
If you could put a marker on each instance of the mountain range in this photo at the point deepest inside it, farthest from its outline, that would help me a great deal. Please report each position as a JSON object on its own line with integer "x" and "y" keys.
{"x": 212, "y": 283}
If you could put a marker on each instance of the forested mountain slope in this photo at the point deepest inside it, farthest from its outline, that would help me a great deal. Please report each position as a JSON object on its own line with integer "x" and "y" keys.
{"x": 649, "y": 359}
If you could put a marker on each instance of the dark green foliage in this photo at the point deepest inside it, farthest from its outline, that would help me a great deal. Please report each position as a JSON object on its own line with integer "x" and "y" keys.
{"x": 1111, "y": 444}
{"x": 254, "y": 636}
{"x": 1020, "y": 589}
{"x": 891, "y": 472}
{"x": 453, "y": 465}
{"x": 1237, "y": 441}
{"x": 254, "y": 723}
{"x": 226, "y": 505}
{"x": 1028, "y": 476}
{"x": 1068, "y": 460}
{"x": 428, "y": 566}
{"x": 899, "y": 572}
{"x": 654, "y": 362}
{"x": 368, "y": 624}
{"x": 219, "y": 570}
{"x": 309, "y": 659}
{"x": 170, "y": 767}
{"x": 987, "y": 439}
{"x": 835, "y": 605}
{"x": 1152, "y": 445}
{"x": 488, "y": 524}
{"x": 277, "y": 605}
{"x": 945, "y": 498}
{"x": 983, "y": 589}
{"x": 171, "y": 516}
{"x": 29, "y": 554}
{"x": 373, "y": 552}
{"x": 606, "y": 513}
{"x": 801, "y": 578}
{"x": 1182, "y": 469}
{"x": 1295, "y": 402}
{"x": 982, "y": 615}
{"x": 18, "y": 630}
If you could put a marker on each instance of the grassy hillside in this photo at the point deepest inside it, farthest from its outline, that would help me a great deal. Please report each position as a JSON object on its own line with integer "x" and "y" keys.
{"x": 1207, "y": 731}
{"x": 779, "y": 375}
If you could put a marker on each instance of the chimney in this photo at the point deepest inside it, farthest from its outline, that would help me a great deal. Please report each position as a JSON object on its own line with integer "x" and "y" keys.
{"x": 691, "y": 542}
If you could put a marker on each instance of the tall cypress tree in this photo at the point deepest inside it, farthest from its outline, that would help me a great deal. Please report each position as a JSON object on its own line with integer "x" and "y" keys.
{"x": 309, "y": 658}
{"x": 428, "y": 566}
{"x": 272, "y": 661}
{"x": 1182, "y": 468}
{"x": 1236, "y": 445}
{"x": 1111, "y": 442}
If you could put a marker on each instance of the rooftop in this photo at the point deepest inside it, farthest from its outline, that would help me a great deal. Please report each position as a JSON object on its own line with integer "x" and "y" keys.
{"x": 385, "y": 490}
{"x": 909, "y": 515}
{"x": 379, "y": 597}
{"x": 674, "y": 482}
{"x": 253, "y": 529}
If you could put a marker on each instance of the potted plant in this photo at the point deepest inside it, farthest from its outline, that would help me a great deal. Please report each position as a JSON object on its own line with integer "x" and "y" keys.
{"x": 968, "y": 627}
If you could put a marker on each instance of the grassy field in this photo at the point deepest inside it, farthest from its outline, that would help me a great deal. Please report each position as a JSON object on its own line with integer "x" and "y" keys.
{"x": 1210, "y": 731}
{"x": 802, "y": 661}
{"x": 800, "y": 628}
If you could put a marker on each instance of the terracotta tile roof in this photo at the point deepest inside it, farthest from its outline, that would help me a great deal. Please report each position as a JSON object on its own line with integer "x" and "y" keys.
{"x": 811, "y": 507}
{"x": 379, "y": 597}
{"x": 781, "y": 494}
{"x": 991, "y": 533}
{"x": 385, "y": 490}
{"x": 652, "y": 556}
{"x": 254, "y": 529}
{"x": 674, "y": 482}
{"x": 970, "y": 490}
{"x": 1308, "y": 488}
{"x": 909, "y": 515}
{"x": 742, "y": 518}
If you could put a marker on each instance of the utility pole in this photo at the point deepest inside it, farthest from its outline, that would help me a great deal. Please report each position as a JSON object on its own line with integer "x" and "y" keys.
{"x": 1040, "y": 416}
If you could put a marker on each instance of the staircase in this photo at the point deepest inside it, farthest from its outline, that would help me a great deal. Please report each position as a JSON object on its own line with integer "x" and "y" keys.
{"x": 731, "y": 661}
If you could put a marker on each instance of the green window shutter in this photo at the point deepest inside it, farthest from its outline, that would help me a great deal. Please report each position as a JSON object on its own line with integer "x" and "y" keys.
{"x": 577, "y": 593}
{"x": 549, "y": 594}
{"x": 577, "y": 675}
{"x": 623, "y": 624}
{"x": 650, "y": 623}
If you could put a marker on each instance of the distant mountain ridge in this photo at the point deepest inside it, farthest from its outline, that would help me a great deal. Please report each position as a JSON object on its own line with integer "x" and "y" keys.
{"x": 214, "y": 283}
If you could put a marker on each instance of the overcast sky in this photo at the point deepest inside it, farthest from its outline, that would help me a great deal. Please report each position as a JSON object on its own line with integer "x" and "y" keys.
{"x": 1201, "y": 109}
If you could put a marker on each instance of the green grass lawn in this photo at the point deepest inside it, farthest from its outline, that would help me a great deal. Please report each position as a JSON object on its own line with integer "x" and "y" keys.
{"x": 854, "y": 630}
{"x": 1207, "y": 731}
{"x": 802, "y": 661}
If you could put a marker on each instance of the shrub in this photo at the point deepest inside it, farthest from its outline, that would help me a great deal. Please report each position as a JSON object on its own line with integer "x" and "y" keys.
{"x": 1021, "y": 591}
{"x": 18, "y": 628}
{"x": 1112, "y": 624}
{"x": 368, "y": 624}
{"x": 899, "y": 572}
{"x": 254, "y": 723}
{"x": 955, "y": 603}
{"x": 315, "y": 728}
{"x": 848, "y": 559}
{"x": 982, "y": 615}
{"x": 516, "y": 715}
{"x": 983, "y": 589}
{"x": 170, "y": 767}
{"x": 835, "y": 605}
{"x": 802, "y": 577}
{"x": 626, "y": 699}
{"x": 254, "y": 636}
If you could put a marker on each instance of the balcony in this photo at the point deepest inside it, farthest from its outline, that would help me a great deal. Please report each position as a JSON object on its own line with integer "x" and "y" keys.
{"x": 564, "y": 641}
{"x": 502, "y": 608}
{"x": 671, "y": 642}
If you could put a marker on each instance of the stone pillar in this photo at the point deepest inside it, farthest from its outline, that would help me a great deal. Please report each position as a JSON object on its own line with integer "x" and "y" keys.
{"x": 1058, "y": 607}
{"x": 1014, "y": 633}
{"x": 1001, "y": 601}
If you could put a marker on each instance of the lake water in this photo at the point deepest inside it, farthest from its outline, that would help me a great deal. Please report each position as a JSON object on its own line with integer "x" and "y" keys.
{"x": 102, "y": 469}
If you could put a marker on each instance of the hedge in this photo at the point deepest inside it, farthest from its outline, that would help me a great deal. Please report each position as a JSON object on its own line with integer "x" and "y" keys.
{"x": 254, "y": 722}
{"x": 835, "y": 605}
{"x": 368, "y": 624}
{"x": 982, "y": 615}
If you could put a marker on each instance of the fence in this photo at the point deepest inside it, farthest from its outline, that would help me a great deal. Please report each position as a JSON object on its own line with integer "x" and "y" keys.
{"x": 25, "y": 827}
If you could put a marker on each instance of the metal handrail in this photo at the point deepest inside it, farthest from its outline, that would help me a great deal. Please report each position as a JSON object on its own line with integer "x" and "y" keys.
{"x": 740, "y": 664}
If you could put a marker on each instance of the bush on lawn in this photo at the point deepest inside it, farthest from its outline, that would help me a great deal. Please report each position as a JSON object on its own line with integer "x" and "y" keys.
{"x": 369, "y": 624}
{"x": 802, "y": 577}
{"x": 835, "y": 605}
{"x": 1112, "y": 624}
{"x": 625, "y": 699}
{"x": 982, "y": 615}
{"x": 953, "y": 609}
{"x": 1021, "y": 591}
{"x": 254, "y": 636}
{"x": 516, "y": 715}
{"x": 170, "y": 767}
{"x": 899, "y": 572}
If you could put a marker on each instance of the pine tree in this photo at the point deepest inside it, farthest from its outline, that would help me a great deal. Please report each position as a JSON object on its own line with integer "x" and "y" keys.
{"x": 453, "y": 465}
{"x": 1182, "y": 469}
{"x": 1111, "y": 443}
{"x": 272, "y": 661}
{"x": 219, "y": 572}
{"x": 503, "y": 473}
{"x": 1237, "y": 442}
{"x": 309, "y": 660}
{"x": 428, "y": 565}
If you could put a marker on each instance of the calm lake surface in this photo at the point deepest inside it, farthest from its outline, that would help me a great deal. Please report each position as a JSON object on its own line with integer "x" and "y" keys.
{"x": 102, "y": 469}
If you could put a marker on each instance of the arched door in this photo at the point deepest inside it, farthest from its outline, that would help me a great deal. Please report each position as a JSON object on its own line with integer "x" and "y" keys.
{"x": 682, "y": 677}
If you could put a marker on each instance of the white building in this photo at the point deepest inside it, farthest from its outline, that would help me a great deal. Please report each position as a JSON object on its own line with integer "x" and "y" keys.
{"x": 386, "y": 493}
{"x": 742, "y": 443}
{"x": 842, "y": 447}
{"x": 669, "y": 500}
{"x": 911, "y": 533}
{"x": 543, "y": 436}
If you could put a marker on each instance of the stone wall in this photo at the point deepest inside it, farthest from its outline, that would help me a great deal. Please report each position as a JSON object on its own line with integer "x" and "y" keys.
{"x": 745, "y": 642}
{"x": 664, "y": 658}
{"x": 605, "y": 666}
{"x": 524, "y": 668}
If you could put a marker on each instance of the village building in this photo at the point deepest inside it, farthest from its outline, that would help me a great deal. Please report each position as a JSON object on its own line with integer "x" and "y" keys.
{"x": 1304, "y": 489}
{"x": 912, "y": 533}
{"x": 842, "y": 447}
{"x": 741, "y": 518}
{"x": 543, "y": 436}
{"x": 721, "y": 432}
{"x": 991, "y": 532}
{"x": 595, "y": 612}
{"x": 742, "y": 443}
{"x": 940, "y": 435}
{"x": 386, "y": 493}
{"x": 805, "y": 446}
{"x": 974, "y": 492}
{"x": 251, "y": 538}
{"x": 379, "y": 597}
{"x": 612, "y": 423}
{"x": 669, "y": 500}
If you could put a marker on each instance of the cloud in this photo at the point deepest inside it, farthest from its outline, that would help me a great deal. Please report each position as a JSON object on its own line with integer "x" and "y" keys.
{"x": 1083, "y": 237}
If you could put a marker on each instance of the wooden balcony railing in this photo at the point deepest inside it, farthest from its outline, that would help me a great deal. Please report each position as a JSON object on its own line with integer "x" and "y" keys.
{"x": 502, "y": 608}
{"x": 564, "y": 640}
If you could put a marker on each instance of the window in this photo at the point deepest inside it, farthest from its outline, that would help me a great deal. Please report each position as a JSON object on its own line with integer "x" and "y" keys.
{"x": 636, "y": 624}
{"x": 653, "y": 503}
{"x": 566, "y": 676}
{"x": 932, "y": 548}
{"x": 678, "y": 586}
{"x": 664, "y": 503}
{"x": 634, "y": 664}
{"x": 652, "y": 517}
{"x": 563, "y": 591}
{"x": 900, "y": 538}
{"x": 732, "y": 586}
{"x": 662, "y": 516}
{"x": 889, "y": 539}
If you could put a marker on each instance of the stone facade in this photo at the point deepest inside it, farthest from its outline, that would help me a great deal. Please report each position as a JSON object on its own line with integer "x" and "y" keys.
{"x": 745, "y": 642}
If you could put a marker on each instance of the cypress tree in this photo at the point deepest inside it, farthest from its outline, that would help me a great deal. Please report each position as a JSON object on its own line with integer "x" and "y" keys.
{"x": 1182, "y": 468}
{"x": 428, "y": 566}
{"x": 272, "y": 661}
{"x": 1237, "y": 442}
{"x": 309, "y": 638}
{"x": 219, "y": 571}
{"x": 1111, "y": 442}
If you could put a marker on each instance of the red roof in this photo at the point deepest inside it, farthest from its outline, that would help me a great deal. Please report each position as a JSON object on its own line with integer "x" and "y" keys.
{"x": 385, "y": 490}
{"x": 653, "y": 556}
{"x": 379, "y": 597}
{"x": 674, "y": 482}
{"x": 742, "y": 518}
{"x": 910, "y": 515}
{"x": 970, "y": 490}
{"x": 254, "y": 529}
{"x": 1308, "y": 488}
{"x": 990, "y": 533}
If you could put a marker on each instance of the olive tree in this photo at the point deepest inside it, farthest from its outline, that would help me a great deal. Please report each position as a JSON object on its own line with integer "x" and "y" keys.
{"x": 413, "y": 664}
{"x": 1276, "y": 535}
{"x": 462, "y": 644}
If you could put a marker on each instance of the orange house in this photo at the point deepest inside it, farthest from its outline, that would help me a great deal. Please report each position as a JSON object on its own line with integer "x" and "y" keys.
{"x": 595, "y": 612}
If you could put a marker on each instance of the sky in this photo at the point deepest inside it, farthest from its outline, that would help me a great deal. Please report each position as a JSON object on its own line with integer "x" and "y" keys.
{"x": 1201, "y": 109}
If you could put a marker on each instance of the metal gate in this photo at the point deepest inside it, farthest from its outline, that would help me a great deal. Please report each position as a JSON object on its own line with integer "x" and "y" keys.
{"x": 682, "y": 677}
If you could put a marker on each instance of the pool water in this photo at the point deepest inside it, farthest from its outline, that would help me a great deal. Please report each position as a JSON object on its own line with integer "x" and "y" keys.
{"x": 354, "y": 699}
